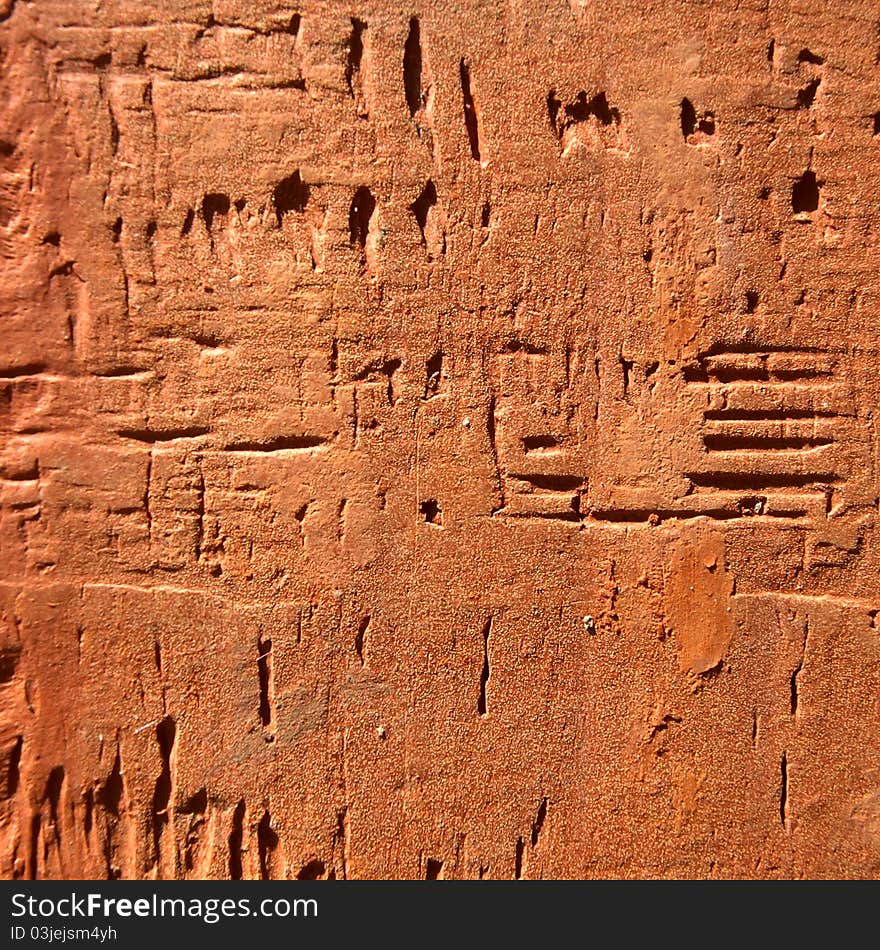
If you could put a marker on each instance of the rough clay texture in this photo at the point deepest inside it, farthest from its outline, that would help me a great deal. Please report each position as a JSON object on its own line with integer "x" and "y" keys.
{"x": 439, "y": 442}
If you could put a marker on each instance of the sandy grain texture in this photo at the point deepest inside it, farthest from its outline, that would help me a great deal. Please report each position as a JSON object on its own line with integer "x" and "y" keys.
{"x": 439, "y": 442}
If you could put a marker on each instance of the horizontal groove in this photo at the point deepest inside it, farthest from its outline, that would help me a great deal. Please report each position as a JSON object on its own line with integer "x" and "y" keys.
{"x": 805, "y": 373}
{"x": 736, "y": 443}
{"x": 773, "y": 428}
{"x": 282, "y": 443}
{"x": 162, "y": 435}
{"x": 568, "y": 516}
{"x": 722, "y": 349}
{"x": 769, "y": 415}
{"x": 640, "y": 515}
{"x": 551, "y": 483}
{"x": 545, "y": 444}
{"x": 764, "y": 384}
{"x": 695, "y": 374}
{"x": 29, "y": 473}
{"x": 117, "y": 372}
{"x": 726, "y": 376}
{"x": 26, "y": 369}
{"x": 754, "y": 481}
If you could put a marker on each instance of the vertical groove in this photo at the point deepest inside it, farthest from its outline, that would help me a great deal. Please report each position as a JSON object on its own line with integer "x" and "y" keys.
{"x": 265, "y": 672}
{"x": 482, "y": 706}
{"x": 355, "y": 54}
{"x": 412, "y": 68}
{"x": 783, "y": 794}
{"x": 471, "y": 121}
{"x": 236, "y": 842}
